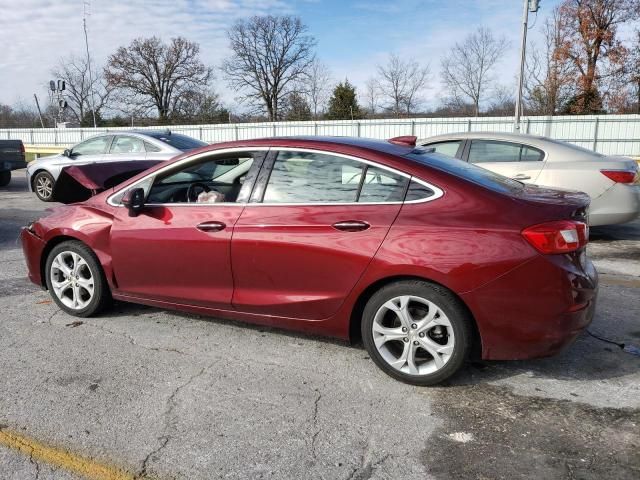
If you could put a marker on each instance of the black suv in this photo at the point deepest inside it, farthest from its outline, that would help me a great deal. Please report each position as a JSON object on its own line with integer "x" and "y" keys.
{"x": 11, "y": 158}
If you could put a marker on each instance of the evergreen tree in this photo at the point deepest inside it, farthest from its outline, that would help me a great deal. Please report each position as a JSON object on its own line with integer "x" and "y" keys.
{"x": 298, "y": 108}
{"x": 343, "y": 104}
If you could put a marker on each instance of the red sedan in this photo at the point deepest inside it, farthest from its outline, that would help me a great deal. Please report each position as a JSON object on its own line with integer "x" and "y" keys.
{"x": 428, "y": 259}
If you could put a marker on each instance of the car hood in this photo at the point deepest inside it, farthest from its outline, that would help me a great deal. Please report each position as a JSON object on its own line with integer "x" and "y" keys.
{"x": 77, "y": 183}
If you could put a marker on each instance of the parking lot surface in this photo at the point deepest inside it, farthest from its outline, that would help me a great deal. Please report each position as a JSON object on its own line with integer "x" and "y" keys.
{"x": 145, "y": 393}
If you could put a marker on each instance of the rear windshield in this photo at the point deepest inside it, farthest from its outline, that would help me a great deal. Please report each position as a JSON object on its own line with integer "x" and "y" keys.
{"x": 468, "y": 171}
{"x": 574, "y": 147}
{"x": 181, "y": 142}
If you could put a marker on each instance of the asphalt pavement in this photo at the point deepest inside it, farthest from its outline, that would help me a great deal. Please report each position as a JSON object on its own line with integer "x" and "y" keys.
{"x": 140, "y": 392}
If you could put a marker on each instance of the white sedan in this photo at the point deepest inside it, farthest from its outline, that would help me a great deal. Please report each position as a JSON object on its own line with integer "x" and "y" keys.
{"x": 612, "y": 182}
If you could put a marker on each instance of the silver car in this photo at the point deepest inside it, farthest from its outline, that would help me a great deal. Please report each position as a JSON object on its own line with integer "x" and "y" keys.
{"x": 43, "y": 173}
{"x": 611, "y": 182}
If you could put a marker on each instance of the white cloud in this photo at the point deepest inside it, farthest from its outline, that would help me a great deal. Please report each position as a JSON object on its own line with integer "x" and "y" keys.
{"x": 36, "y": 33}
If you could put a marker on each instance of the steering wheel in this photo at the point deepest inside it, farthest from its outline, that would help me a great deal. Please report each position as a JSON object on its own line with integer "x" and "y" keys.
{"x": 196, "y": 189}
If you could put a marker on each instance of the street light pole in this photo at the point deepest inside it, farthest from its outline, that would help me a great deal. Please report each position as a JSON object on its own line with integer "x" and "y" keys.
{"x": 523, "y": 56}
{"x": 529, "y": 6}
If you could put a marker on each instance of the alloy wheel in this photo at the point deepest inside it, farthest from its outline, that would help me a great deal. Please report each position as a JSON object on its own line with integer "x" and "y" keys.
{"x": 44, "y": 186}
{"x": 413, "y": 335}
{"x": 72, "y": 280}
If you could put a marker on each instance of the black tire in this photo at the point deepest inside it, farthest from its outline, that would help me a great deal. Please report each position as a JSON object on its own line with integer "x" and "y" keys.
{"x": 44, "y": 177}
{"x": 101, "y": 294}
{"x": 447, "y": 303}
{"x": 5, "y": 178}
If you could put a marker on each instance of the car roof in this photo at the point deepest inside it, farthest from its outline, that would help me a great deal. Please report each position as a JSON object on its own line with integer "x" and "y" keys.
{"x": 519, "y": 137}
{"x": 320, "y": 142}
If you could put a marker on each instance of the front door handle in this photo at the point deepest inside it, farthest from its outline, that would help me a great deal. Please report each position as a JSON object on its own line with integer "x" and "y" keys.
{"x": 522, "y": 176}
{"x": 351, "y": 226}
{"x": 211, "y": 226}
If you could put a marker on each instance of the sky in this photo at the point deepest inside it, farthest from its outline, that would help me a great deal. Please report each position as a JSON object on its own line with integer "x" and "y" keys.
{"x": 353, "y": 37}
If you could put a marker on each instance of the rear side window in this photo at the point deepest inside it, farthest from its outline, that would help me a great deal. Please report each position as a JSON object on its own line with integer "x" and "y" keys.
{"x": 417, "y": 192}
{"x": 305, "y": 177}
{"x": 449, "y": 148}
{"x": 485, "y": 151}
{"x": 150, "y": 147}
{"x": 382, "y": 186}
{"x": 125, "y": 144}
{"x": 309, "y": 177}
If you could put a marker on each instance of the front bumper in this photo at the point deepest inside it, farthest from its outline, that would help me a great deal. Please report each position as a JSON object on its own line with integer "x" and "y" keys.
{"x": 553, "y": 302}
{"x": 32, "y": 247}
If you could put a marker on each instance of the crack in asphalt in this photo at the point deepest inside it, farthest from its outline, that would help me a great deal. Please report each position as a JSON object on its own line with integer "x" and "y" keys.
{"x": 316, "y": 430}
{"x": 169, "y": 407}
{"x": 133, "y": 341}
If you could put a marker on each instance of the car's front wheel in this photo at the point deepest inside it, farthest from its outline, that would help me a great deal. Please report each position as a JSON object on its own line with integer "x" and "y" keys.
{"x": 76, "y": 280}
{"x": 416, "y": 332}
{"x": 43, "y": 184}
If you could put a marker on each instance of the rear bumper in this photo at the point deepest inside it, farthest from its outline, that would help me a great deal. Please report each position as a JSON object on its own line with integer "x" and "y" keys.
{"x": 9, "y": 165}
{"x": 619, "y": 204}
{"x": 554, "y": 302}
{"x": 32, "y": 246}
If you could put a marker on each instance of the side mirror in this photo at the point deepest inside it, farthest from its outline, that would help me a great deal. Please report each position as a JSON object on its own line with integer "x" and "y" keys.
{"x": 134, "y": 201}
{"x": 67, "y": 152}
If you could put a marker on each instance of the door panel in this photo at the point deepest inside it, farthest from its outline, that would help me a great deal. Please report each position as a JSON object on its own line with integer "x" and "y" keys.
{"x": 162, "y": 254}
{"x": 290, "y": 261}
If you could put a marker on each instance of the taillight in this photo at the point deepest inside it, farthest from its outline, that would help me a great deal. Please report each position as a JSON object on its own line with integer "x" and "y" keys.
{"x": 562, "y": 236}
{"x": 22, "y": 148}
{"x": 620, "y": 176}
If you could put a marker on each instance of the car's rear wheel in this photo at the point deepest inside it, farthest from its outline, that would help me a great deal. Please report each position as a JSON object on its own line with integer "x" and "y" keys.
{"x": 5, "y": 178}
{"x": 43, "y": 184}
{"x": 76, "y": 280}
{"x": 416, "y": 332}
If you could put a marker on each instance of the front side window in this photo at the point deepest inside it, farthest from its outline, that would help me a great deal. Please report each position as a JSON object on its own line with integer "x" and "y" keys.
{"x": 215, "y": 179}
{"x": 449, "y": 148}
{"x": 125, "y": 144}
{"x": 93, "y": 146}
{"x": 309, "y": 177}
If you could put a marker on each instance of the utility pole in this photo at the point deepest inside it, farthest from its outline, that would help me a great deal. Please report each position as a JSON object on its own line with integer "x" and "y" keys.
{"x": 529, "y": 6}
{"x": 39, "y": 111}
{"x": 86, "y": 43}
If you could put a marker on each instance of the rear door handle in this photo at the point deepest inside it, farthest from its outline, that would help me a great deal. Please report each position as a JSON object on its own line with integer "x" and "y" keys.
{"x": 211, "y": 226}
{"x": 522, "y": 176}
{"x": 351, "y": 226}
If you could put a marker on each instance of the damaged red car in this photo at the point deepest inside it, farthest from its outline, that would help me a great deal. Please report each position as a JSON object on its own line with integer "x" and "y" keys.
{"x": 427, "y": 259}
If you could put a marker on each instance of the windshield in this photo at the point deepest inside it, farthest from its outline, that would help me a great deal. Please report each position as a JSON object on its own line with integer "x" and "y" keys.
{"x": 468, "y": 171}
{"x": 181, "y": 142}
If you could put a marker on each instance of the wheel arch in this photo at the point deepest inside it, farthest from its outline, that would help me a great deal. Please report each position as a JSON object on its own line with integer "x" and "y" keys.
{"x": 50, "y": 245}
{"x": 358, "y": 309}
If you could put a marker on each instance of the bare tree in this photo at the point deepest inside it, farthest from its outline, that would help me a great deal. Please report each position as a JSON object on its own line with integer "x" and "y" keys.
{"x": 372, "y": 95}
{"x": 151, "y": 74}
{"x": 75, "y": 72}
{"x": 467, "y": 69}
{"x": 316, "y": 86}
{"x": 270, "y": 55}
{"x": 401, "y": 82}
{"x": 550, "y": 78}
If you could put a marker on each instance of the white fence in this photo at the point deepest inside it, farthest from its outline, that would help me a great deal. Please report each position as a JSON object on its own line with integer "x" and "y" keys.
{"x": 608, "y": 134}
